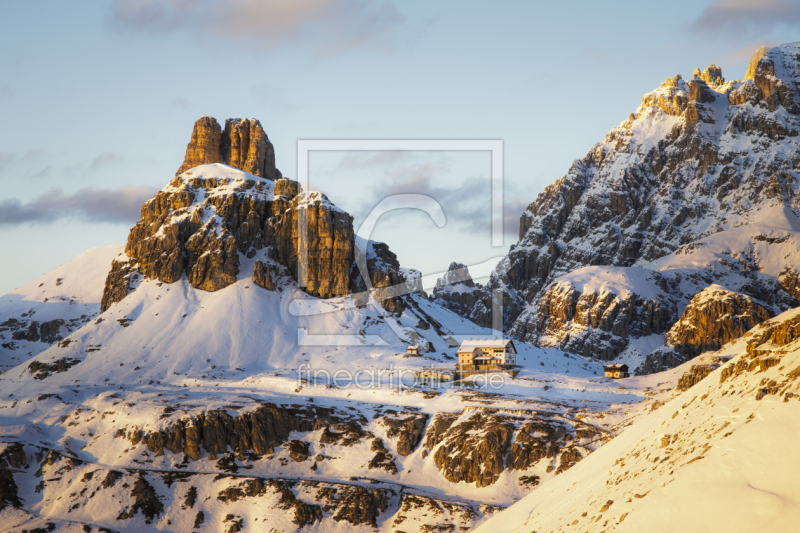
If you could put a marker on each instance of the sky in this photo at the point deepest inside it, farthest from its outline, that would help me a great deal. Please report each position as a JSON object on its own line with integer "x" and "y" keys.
{"x": 98, "y": 100}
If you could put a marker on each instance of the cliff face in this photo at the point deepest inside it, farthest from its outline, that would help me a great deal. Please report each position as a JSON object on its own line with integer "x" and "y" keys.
{"x": 477, "y": 447}
{"x": 697, "y": 158}
{"x": 599, "y": 319}
{"x": 242, "y": 144}
{"x": 456, "y": 290}
{"x": 713, "y": 318}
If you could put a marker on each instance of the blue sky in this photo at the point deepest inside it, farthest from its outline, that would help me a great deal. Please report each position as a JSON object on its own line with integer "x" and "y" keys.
{"x": 98, "y": 101}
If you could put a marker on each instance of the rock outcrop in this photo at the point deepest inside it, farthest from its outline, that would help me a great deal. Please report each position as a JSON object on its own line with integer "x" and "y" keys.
{"x": 208, "y": 219}
{"x": 385, "y": 276}
{"x": 456, "y": 290}
{"x": 322, "y": 258}
{"x": 34, "y": 331}
{"x": 477, "y": 447}
{"x": 242, "y": 144}
{"x": 599, "y": 322}
{"x": 408, "y": 430}
{"x": 695, "y": 375}
{"x": 217, "y": 432}
{"x": 713, "y": 318}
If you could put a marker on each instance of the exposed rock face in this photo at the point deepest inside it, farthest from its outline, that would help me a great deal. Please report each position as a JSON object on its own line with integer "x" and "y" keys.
{"x": 599, "y": 323}
{"x": 664, "y": 179}
{"x": 41, "y": 370}
{"x": 659, "y": 360}
{"x": 328, "y": 246}
{"x": 475, "y": 459}
{"x": 695, "y": 375}
{"x": 8, "y": 490}
{"x": 760, "y": 52}
{"x": 478, "y": 447}
{"x": 789, "y": 278}
{"x": 258, "y": 431}
{"x": 456, "y": 290}
{"x": 356, "y": 505}
{"x": 408, "y": 430}
{"x": 34, "y": 331}
{"x": 196, "y": 226}
{"x": 264, "y": 275}
{"x": 243, "y": 145}
{"x": 204, "y": 146}
{"x": 713, "y": 318}
{"x": 117, "y": 282}
{"x": 385, "y": 275}
{"x": 204, "y": 222}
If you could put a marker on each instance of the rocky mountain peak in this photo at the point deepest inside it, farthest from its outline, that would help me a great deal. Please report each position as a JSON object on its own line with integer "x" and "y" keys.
{"x": 760, "y": 52}
{"x": 456, "y": 273}
{"x": 697, "y": 158}
{"x": 712, "y": 75}
{"x": 243, "y": 144}
{"x": 229, "y": 209}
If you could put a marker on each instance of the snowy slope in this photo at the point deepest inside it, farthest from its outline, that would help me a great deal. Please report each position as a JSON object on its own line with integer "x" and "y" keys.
{"x": 169, "y": 352}
{"x": 71, "y": 293}
{"x": 718, "y": 457}
{"x": 173, "y": 328}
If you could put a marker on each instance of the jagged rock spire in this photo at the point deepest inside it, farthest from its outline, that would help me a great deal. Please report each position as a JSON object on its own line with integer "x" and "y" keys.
{"x": 243, "y": 144}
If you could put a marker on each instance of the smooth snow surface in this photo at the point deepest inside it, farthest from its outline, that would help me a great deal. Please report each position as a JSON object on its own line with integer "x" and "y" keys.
{"x": 728, "y": 463}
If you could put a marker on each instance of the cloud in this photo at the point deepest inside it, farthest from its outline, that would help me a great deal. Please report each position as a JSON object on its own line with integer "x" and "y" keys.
{"x": 378, "y": 159}
{"x": 746, "y": 52}
{"x": 466, "y": 204}
{"x": 116, "y": 206}
{"x": 24, "y": 163}
{"x": 104, "y": 160}
{"x": 748, "y": 17}
{"x": 44, "y": 173}
{"x": 274, "y": 96}
{"x": 179, "y": 103}
{"x": 328, "y": 27}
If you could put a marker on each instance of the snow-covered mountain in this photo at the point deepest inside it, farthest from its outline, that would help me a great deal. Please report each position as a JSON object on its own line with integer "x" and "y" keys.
{"x": 698, "y": 186}
{"x": 47, "y": 309}
{"x": 241, "y": 364}
{"x": 214, "y": 384}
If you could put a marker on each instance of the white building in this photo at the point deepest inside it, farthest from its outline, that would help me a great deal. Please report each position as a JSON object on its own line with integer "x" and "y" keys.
{"x": 487, "y": 352}
{"x": 616, "y": 371}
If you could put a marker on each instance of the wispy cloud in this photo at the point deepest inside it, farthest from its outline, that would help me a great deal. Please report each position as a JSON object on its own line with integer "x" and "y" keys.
{"x": 179, "y": 102}
{"x": 29, "y": 163}
{"x": 328, "y": 27}
{"x": 105, "y": 160}
{"x": 122, "y": 205}
{"x": 466, "y": 203}
{"x": 273, "y": 96}
{"x": 745, "y": 17}
{"x": 379, "y": 159}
